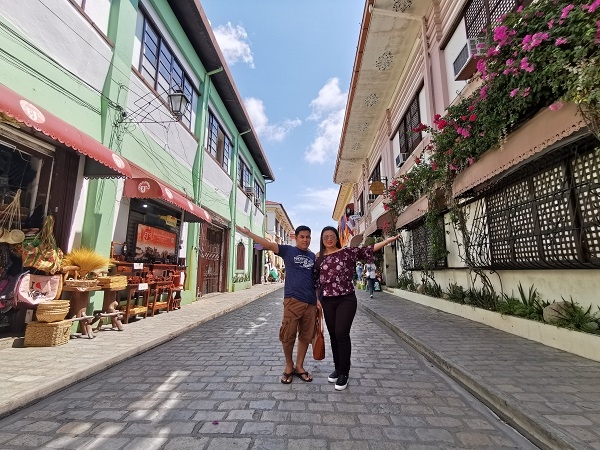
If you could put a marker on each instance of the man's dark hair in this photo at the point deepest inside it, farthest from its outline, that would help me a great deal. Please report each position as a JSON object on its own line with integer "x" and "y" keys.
{"x": 302, "y": 228}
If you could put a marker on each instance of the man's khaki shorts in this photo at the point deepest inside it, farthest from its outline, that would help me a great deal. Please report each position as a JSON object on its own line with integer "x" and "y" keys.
{"x": 299, "y": 319}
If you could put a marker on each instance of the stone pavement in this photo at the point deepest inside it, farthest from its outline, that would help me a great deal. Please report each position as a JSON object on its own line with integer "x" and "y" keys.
{"x": 28, "y": 374}
{"x": 550, "y": 396}
{"x": 217, "y": 387}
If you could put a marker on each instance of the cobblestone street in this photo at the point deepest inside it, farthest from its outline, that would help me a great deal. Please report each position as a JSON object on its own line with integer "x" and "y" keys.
{"x": 217, "y": 387}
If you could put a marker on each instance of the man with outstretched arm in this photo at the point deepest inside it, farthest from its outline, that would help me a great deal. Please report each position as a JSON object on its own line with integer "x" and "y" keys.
{"x": 299, "y": 303}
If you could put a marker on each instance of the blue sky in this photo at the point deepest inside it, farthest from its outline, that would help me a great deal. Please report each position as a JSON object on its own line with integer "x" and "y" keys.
{"x": 292, "y": 64}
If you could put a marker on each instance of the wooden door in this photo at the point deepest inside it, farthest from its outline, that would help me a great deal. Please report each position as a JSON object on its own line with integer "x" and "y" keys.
{"x": 210, "y": 274}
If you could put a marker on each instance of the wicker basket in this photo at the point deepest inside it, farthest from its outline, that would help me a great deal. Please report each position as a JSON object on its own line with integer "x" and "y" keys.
{"x": 113, "y": 282}
{"x": 81, "y": 283}
{"x": 40, "y": 334}
{"x": 53, "y": 311}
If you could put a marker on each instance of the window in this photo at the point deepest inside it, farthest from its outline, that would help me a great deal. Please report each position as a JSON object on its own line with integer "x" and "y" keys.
{"x": 244, "y": 175}
{"x": 418, "y": 251}
{"x": 361, "y": 204}
{"x": 546, "y": 215}
{"x": 409, "y": 139}
{"x": 161, "y": 69}
{"x": 259, "y": 193}
{"x": 240, "y": 260}
{"x": 97, "y": 11}
{"x": 481, "y": 13}
{"x": 219, "y": 145}
{"x": 375, "y": 176}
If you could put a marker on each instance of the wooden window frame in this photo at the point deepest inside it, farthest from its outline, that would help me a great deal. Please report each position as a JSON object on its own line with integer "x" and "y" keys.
{"x": 409, "y": 140}
{"x": 175, "y": 69}
{"x": 218, "y": 144}
{"x": 240, "y": 256}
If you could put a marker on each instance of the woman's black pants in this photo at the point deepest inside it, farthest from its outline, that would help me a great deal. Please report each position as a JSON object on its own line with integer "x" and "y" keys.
{"x": 339, "y": 312}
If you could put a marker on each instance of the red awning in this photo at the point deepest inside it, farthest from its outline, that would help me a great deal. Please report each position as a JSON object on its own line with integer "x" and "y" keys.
{"x": 144, "y": 185}
{"x": 22, "y": 110}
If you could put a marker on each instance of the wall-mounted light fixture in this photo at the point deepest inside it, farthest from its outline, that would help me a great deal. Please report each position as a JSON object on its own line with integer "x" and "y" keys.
{"x": 178, "y": 103}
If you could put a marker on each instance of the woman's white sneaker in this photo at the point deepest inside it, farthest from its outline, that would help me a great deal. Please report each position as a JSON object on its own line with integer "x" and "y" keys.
{"x": 333, "y": 376}
{"x": 342, "y": 382}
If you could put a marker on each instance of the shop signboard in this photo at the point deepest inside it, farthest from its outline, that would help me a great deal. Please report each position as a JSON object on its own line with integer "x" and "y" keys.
{"x": 155, "y": 243}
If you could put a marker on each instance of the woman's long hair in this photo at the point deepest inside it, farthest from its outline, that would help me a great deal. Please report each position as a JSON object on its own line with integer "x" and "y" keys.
{"x": 337, "y": 239}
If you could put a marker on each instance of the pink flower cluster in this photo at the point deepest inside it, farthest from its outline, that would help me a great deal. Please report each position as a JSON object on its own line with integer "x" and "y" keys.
{"x": 566, "y": 10}
{"x": 531, "y": 41}
{"x": 591, "y": 8}
{"x": 526, "y": 65}
{"x": 439, "y": 122}
{"x": 502, "y": 35}
{"x": 523, "y": 93}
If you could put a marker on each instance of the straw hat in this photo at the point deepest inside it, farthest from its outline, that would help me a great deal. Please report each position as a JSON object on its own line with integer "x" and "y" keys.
{"x": 11, "y": 237}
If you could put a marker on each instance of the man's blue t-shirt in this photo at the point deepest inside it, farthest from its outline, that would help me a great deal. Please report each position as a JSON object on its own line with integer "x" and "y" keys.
{"x": 298, "y": 273}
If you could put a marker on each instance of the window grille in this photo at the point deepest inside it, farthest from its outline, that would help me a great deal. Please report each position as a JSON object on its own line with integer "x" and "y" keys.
{"x": 422, "y": 254}
{"x": 481, "y": 13}
{"x": 549, "y": 217}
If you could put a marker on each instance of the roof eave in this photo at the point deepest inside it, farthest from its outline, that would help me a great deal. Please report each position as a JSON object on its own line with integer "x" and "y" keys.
{"x": 196, "y": 26}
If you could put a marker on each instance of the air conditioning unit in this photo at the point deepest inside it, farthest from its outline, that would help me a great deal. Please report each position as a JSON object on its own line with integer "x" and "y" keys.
{"x": 465, "y": 64}
{"x": 249, "y": 191}
{"x": 401, "y": 159}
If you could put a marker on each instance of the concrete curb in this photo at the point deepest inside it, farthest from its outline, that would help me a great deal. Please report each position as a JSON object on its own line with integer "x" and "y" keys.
{"x": 541, "y": 434}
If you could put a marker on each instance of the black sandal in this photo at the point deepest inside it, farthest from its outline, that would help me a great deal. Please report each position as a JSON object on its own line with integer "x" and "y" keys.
{"x": 301, "y": 375}
{"x": 288, "y": 377}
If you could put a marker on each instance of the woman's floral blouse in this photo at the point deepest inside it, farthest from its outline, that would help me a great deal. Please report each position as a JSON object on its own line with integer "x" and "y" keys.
{"x": 334, "y": 273}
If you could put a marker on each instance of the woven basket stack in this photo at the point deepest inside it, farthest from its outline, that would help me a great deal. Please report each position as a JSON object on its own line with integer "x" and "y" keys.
{"x": 50, "y": 329}
{"x": 83, "y": 284}
{"x": 113, "y": 282}
{"x": 52, "y": 311}
{"x": 41, "y": 334}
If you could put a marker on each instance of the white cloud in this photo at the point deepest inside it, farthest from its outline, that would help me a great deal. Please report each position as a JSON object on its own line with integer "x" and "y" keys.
{"x": 317, "y": 200}
{"x": 327, "y": 140}
{"x": 330, "y": 100}
{"x": 234, "y": 44}
{"x": 258, "y": 116}
{"x": 328, "y": 108}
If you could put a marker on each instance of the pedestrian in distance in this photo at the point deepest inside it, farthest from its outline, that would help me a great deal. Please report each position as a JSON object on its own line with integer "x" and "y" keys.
{"x": 371, "y": 270}
{"x": 359, "y": 271}
{"x": 334, "y": 270}
{"x": 299, "y": 302}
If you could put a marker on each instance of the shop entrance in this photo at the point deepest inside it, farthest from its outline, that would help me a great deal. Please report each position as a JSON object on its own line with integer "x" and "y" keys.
{"x": 210, "y": 270}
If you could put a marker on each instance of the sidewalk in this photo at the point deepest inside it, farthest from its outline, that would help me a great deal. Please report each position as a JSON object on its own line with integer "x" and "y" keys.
{"x": 550, "y": 396}
{"x": 31, "y": 373}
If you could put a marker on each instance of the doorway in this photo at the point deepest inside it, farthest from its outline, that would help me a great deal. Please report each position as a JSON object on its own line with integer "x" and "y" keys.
{"x": 210, "y": 257}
